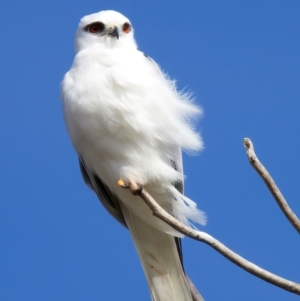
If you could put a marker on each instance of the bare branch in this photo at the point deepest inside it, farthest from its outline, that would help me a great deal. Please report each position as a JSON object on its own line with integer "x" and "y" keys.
{"x": 255, "y": 270}
{"x": 264, "y": 174}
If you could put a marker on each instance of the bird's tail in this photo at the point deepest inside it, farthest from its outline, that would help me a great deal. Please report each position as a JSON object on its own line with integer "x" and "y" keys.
{"x": 160, "y": 259}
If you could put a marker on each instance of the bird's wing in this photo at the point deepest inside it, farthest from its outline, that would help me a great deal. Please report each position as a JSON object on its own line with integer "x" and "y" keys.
{"x": 108, "y": 199}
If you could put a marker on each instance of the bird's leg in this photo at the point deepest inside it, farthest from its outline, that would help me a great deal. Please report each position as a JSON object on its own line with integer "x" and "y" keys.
{"x": 134, "y": 187}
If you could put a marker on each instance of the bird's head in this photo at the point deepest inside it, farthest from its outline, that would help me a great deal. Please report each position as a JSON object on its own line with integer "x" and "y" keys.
{"x": 108, "y": 28}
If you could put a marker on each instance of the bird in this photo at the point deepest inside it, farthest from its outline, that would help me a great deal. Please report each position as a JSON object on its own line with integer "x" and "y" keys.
{"x": 128, "y": 122}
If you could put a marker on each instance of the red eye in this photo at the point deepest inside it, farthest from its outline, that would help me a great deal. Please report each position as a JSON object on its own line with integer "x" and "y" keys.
{"x": 126, "y": 27}
{"x": 96, "y": 27}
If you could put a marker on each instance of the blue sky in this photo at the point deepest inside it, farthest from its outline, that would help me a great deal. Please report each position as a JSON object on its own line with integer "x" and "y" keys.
{"x": 241, "y": 59}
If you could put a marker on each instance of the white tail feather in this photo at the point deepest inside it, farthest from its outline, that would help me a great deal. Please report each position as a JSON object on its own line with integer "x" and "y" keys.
{"x": 160, "y": 260}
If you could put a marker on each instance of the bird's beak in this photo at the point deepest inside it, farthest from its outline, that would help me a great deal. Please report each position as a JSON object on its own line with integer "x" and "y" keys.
{"x": 114, "y": 32}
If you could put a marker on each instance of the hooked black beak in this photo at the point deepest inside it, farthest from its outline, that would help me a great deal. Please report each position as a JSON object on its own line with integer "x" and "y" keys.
{"x": 114, "y": 32}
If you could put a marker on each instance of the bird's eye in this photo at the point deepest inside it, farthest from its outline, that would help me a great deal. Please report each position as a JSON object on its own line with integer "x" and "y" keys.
{"x": 96, "y": 27}
{"x": 126, "y": 27}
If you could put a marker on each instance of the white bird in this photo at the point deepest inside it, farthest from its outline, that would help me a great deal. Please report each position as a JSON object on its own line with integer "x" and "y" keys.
{"x": 127, "y": 121}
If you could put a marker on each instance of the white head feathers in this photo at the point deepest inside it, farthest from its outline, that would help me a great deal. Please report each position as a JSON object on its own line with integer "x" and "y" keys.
{"x": 101, "y": 28}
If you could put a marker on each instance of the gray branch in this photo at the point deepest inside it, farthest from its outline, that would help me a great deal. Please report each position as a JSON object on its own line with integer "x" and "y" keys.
{"x": 255, "y": 270}
{"x": 264, "y": 174}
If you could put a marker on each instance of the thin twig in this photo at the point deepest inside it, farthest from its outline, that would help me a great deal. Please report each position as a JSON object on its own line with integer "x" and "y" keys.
{"x": 264, "y": 174}
{"x": 255, "y": 270}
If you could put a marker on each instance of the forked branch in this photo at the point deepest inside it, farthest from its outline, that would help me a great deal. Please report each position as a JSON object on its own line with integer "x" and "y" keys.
{"x": 264, "y": 174}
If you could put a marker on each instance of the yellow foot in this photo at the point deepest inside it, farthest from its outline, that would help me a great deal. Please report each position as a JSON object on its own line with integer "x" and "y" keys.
{"x": 135, "y": 188}
{"x": 122, "y": 184}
